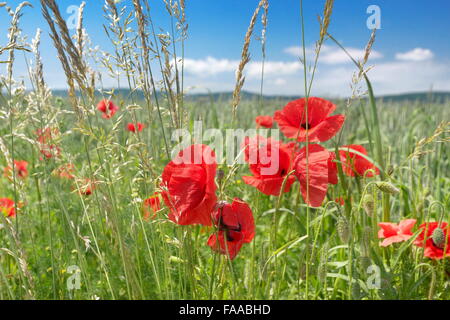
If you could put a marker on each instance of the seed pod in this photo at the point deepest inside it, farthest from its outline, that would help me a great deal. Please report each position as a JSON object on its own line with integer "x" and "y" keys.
{"x": 368, "y": 204}
{"x": 387, "y": 187}
{"x": 438, "y": 237}
{"x": 343, "y": 228}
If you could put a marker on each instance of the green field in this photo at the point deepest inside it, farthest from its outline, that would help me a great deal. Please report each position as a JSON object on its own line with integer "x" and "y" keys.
{"x": 67, "y": 242}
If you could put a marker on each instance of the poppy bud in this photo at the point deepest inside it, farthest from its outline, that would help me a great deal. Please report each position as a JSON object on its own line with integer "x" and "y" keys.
{"x": 438, "y": 237}
{"x": 387, "y": 187}
{"x": 343, "y": 229}
{"x": 368, "y": 204}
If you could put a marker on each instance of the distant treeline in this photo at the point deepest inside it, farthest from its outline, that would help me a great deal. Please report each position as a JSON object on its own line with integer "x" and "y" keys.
{"x": 431, "y": 97}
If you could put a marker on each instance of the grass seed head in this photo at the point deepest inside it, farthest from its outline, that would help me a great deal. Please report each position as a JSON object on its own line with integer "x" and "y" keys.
{"x": 343, "y": 229}
{"x": 322, "y": 269}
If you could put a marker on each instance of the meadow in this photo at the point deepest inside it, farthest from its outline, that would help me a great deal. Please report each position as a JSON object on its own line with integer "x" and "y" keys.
{"x": 90, "y": 217}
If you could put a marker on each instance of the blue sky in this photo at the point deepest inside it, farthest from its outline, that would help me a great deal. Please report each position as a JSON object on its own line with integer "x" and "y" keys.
{"x": 411, "y": 52}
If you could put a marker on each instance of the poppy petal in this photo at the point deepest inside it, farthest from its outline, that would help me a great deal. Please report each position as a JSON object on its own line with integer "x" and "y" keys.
{"x": 387, "y": 230}
{"x": 405, "y": 226}
{"x": 189, "y": 188}
{"x": 394, "y": 239}
{"x": 312, "y": 172}
{"x": 354, "y": 164}
{"x": 327, "y": 129}
{"x": 246, "y": 219}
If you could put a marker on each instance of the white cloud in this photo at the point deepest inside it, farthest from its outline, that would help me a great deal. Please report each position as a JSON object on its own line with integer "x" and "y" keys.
{"x": 209, "y": 66}
{"x": 279, "y": 82}
{"x": 391, "y": 77}
{"x": 410, "y": 76}
{"x": 337, "y": 56}
{"x": 298, "y": 51}
{"x": 417, "y": 54}
{"x": 387, "y": 78}
{"x": 332, "y": 54}
{"x": 278, "y": 68}
{"x": 212, "y": 66}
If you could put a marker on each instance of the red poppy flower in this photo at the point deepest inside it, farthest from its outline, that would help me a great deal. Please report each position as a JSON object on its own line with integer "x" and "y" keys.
{"x": 393, "y": 233}
{"x": 434, "y": 241}
{"x": 269, "y": 161}
{"x": 235, "y": 225}
{"x": 66, "y": 171}
{"x": 108, "y": 108}
{"x": 86, "y": 186}
{"x": 340, "y": 201}
{"x": 151, "y": 205}
{"x": 321, "y": 126}
{"x": 50, "y": 151}
{"x": 20, "y": 167}
{"x": 312, "y": 172}
{"x": 45, "y": 138}
{"x": 132, "y": 127}
{"x": 46, "y": 135}
{"x": 188, "y": 185}
{"x": 264, "y": 121}
{"x": 7, "y": 207}
{"x": 354, "y": 164}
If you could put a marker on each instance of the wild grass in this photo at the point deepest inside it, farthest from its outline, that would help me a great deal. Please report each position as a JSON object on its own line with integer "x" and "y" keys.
{"x": 298, "y": 252}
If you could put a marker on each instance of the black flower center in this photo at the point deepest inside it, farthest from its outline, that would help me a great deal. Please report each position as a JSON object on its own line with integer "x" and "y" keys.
{"x": 228, "y": 230}
{"x": 306, "y": 125}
